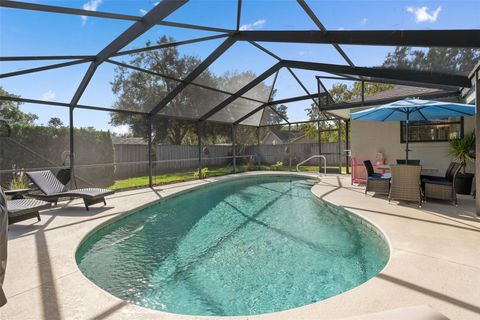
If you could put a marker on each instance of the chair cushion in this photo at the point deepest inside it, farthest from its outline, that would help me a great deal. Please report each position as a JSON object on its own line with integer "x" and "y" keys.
{"x": 380, "y": 176}
{"x": 438, "y": 180}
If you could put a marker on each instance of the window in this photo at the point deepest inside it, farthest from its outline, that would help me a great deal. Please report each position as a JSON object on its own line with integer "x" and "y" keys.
{"x": 432, "y": 131}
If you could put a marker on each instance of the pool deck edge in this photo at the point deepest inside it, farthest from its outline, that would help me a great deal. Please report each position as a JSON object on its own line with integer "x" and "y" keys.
{"x": 434, "y": 259}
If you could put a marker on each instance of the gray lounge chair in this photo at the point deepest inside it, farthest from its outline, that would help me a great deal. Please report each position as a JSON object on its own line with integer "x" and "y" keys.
{"x": 23, "y": 209}
{"x": 53, "y": 189}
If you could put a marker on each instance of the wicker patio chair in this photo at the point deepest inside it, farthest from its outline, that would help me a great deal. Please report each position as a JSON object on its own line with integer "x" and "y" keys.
{"x": 405, "y": 183}
{"x": 376, "y": 182}
{"x": 442, "y": 188}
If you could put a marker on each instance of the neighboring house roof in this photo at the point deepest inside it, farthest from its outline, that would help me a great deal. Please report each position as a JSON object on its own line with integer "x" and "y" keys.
{"x": 125, "y": 140}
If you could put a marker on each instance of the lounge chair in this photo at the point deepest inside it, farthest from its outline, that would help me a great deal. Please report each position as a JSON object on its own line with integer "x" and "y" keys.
{"x": 405, "y": 184}
{"x": 442, "y": 188}
{"x": 23, "y": 209}
{"x": 53, "y": 189}
{"x": 376, "y": 182}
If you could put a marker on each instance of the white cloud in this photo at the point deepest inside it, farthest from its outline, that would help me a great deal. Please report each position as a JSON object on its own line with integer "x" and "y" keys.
{"x": 92, "y": 5}
{"x": 49, "y": 95}
{"x": 305, "y": 52}
{"x": 423, "y": 14}
{"x": 340, "y": 29}
{"x": 155, "y": 4}
{"x": 364, "y": 21}
{"x": 143, "y": 11}
{"x": 121, "y": 130}
{"x": 252, "y": 26}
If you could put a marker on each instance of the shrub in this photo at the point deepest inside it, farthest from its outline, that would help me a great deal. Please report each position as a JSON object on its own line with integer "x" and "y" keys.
{"x": 204, "y": 173}
{"x": 277, "y": 166}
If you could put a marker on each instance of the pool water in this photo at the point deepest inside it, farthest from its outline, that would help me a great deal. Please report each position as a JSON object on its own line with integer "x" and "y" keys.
{"x": 243, "y": 247}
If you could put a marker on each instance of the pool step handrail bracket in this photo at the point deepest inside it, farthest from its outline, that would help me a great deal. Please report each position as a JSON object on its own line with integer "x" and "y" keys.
{"x": 314, "y": 157}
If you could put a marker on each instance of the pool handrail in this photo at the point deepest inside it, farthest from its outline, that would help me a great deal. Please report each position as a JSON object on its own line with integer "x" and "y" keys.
{"x": 313, "y": 157}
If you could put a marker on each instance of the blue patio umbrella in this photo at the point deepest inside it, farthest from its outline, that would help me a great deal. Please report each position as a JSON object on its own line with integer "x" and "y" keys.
{"x": 410, "y": 109}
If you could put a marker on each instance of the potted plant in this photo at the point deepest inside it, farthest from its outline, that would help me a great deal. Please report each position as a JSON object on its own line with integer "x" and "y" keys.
{"x": 461, "y": 150}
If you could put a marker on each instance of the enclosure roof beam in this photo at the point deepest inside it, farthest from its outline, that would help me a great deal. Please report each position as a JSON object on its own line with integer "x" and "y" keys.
{"x": 176, "y": 79}
{"x": 322, "y": 28}
{"x": 194, "y": 74}
{"x": 158, "y": 13}
{"x": 270, "y": 53}
{"x": 242, "y": 91}
{"x": 385, "y": 73}
{"x": 43, "y": 68}
{"x": 31, "y": 58}
{"x": 302, "y": 85}
{"x": 278, "y": 114}
{"x": 239, "y": 13}
{"x": 411, "y": 38}
{"x": 427, "y": 96}
{"x": 345, "y": 77}
{"x": 272, "y": 103}
{"x": 99, "y": 14}
{"x": 294, "y": 99}
{"x": 170, "y": 44}
{"x": 67, "y": 105}
{"x": 251, "y": 113}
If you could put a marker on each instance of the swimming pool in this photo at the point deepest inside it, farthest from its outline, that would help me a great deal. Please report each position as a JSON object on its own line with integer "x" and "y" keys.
{"x": 241, "y": 247}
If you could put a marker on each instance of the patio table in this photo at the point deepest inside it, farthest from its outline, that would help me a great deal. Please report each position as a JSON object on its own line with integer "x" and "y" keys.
{"x": 425, "y": 170}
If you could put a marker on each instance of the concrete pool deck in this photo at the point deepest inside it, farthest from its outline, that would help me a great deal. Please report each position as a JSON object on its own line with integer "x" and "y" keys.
{"x": 435, "y": 259}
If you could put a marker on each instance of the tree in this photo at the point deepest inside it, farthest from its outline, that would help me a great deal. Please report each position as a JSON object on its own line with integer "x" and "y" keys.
{"x": 141, "y": 91}
{"x": 10, "y": 111}
{"x": 456, "y": 60}
{"x": 55, "y": 122}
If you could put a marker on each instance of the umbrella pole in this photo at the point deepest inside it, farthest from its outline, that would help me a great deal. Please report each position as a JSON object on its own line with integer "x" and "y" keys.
{"x": 406, "y": 138}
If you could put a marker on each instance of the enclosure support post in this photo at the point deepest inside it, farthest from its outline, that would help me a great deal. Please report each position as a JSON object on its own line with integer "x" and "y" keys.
{"x": 476, "y": 81}
{"x": 150, "y": 164}
{"x": 234, "y": 151}
{"x": 363, "y": 93}
{"x": 289, "y": 148}
{"x": 347, "y": 158}
{"x": 199, "y": 134}
{"x": 257, "y": 155}
{"x": 339, "y": 138}
{"x": 72, "y": 148}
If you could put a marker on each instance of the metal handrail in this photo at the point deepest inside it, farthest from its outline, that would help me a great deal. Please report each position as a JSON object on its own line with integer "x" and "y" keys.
{"x": 313, "y": 157}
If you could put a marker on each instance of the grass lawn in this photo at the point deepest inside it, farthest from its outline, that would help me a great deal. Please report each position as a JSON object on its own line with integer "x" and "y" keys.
{"x": 188, "y": 175}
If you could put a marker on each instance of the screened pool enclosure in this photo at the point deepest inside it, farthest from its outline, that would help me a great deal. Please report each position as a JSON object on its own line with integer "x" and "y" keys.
{"x": 182, "y": 89}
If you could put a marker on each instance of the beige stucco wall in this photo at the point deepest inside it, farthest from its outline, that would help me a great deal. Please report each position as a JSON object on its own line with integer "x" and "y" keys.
{"x": 368, "y": 138}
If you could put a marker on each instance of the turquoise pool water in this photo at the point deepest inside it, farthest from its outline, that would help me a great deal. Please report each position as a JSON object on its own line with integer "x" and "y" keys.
{"x": 243, "y": 247}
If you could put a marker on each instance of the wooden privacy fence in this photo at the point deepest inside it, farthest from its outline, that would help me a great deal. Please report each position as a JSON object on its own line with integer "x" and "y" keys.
{"x": 132, "y": 159}
{"x": 269, "y": 154}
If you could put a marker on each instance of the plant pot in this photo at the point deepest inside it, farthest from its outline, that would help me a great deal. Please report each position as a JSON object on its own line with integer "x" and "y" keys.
{"x": 463, "y": 183}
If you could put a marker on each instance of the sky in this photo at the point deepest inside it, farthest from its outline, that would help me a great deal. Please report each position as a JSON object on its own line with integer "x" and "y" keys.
{"x": 38, "y": 33}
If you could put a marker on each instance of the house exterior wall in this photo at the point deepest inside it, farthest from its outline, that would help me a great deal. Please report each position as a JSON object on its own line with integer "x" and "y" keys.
{"x": 368, "y": 138}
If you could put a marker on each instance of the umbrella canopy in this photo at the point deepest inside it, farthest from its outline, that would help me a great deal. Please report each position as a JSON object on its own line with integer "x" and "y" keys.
{"x": 414, "y": 110}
